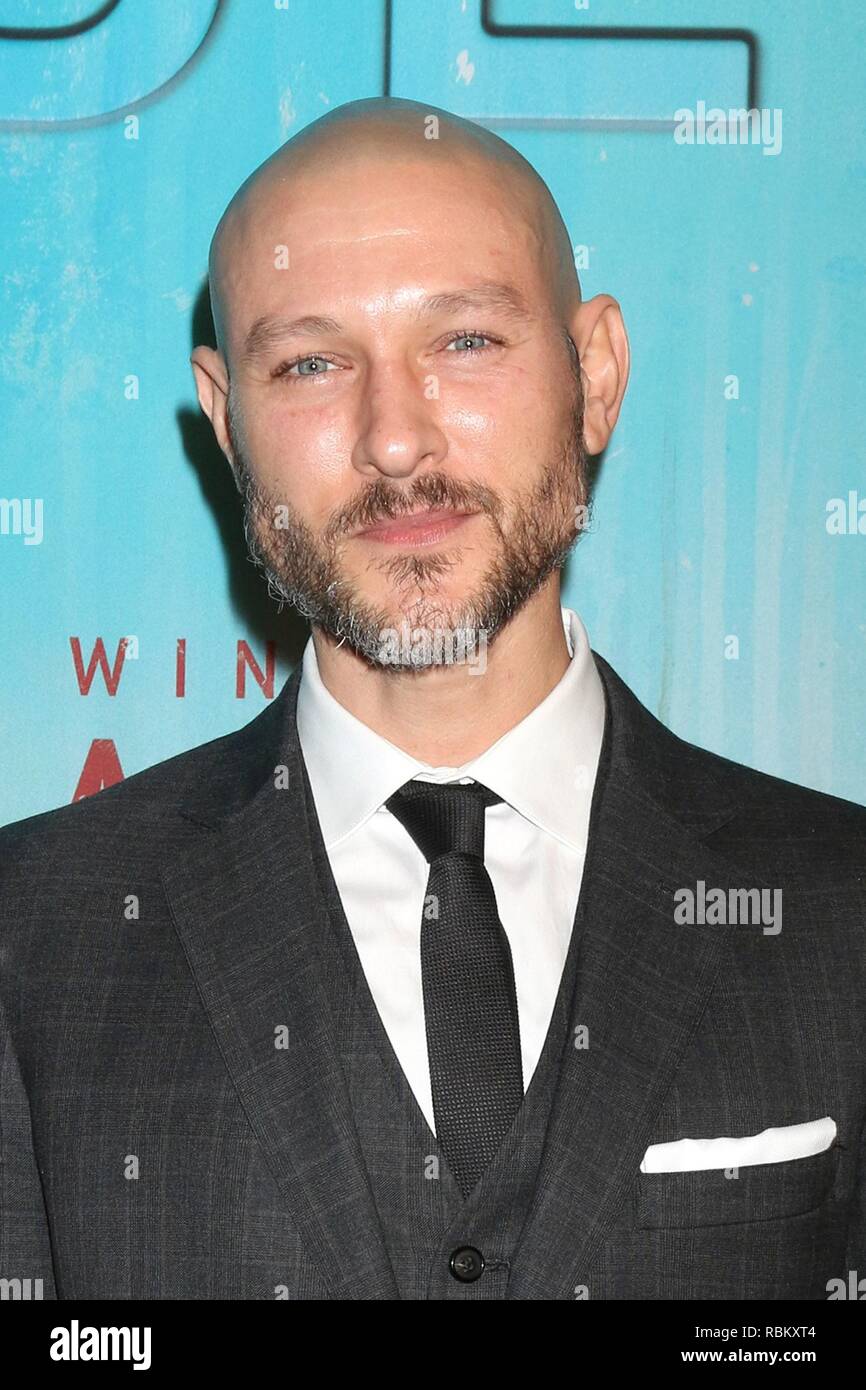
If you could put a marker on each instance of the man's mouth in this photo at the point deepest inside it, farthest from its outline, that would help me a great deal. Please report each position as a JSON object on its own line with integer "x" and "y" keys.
{"x": 417, "y": 528}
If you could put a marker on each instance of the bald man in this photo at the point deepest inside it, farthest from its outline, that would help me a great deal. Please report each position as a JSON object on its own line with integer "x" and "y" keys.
{"x": 453, "y": 975}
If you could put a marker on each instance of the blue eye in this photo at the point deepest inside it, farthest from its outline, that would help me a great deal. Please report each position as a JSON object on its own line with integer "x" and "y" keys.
{"x": 286, "y": 367}
{"x": 465, "y": 337}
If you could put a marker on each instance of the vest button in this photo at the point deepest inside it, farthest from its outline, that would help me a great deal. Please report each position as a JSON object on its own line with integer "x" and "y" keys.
{"x": 466, "y": 1264}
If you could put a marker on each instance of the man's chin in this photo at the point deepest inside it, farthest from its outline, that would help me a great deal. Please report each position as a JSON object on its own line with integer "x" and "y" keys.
{"x": 446, "y": 611}
{"x": 422, "y": 635}
{"x": 440, "y": 603}
{"x": 405, "y": 646}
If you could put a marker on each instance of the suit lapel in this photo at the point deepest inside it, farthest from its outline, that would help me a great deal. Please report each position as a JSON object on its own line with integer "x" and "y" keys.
{"x": 642, "y": 985}
{"x": 246, "y": 907}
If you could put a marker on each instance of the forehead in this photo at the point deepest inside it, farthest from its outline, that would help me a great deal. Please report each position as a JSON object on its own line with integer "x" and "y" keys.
{"x": 379, "y": 237}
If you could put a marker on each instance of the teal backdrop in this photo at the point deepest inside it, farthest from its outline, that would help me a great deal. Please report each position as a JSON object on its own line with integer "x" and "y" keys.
{"x": 725, "y": 574}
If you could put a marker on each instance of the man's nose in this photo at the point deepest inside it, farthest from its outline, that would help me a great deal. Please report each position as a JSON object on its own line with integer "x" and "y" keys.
{"x": 398, "y": 430}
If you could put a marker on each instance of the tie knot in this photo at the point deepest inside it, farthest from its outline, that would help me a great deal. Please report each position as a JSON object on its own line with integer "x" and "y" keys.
{"x": 443, "y": 817}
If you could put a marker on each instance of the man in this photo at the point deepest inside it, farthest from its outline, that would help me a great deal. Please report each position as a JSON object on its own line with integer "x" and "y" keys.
{"x": 453, "y": 975}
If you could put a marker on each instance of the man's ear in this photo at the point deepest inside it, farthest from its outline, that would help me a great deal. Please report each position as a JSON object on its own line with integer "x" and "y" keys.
{"x": 212, "y": 386}
{"x": 602, "y": 345}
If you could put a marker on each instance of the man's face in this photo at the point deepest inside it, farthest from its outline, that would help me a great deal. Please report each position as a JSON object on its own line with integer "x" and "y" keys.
{"x": 404, "y": 403}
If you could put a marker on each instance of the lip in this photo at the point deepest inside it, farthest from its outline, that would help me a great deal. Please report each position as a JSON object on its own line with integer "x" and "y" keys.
{"x": 419, "y": 528}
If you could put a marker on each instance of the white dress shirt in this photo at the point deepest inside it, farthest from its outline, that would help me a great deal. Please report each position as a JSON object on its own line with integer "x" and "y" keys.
{"x": 535, "y": 845}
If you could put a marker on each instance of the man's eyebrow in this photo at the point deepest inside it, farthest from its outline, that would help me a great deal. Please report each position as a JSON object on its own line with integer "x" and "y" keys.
{"x": 272, "y": 329}
{"x": 488, "y": 294}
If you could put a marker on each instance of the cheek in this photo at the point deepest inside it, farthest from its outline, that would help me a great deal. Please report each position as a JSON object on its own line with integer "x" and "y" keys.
{"x": 517, "y": 408}
{"x": 299, "y": 453}
{"x": 504, "y": 446}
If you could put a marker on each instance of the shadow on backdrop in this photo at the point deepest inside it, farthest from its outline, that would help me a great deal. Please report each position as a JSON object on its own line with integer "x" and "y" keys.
{"x": 259, "y": 614}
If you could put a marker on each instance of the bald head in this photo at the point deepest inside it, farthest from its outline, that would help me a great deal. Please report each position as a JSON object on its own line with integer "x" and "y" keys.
{"x": 392, "y": 143}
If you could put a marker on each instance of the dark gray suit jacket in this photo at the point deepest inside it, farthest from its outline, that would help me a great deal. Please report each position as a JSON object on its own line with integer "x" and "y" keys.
{"x": 158, "y": 1143}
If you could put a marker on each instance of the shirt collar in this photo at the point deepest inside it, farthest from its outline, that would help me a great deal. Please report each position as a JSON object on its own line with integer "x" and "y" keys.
{"x": 544, "y": 767}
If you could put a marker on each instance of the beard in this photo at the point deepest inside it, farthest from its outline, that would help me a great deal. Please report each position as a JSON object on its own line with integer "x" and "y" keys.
{"x": 534, "y": 536}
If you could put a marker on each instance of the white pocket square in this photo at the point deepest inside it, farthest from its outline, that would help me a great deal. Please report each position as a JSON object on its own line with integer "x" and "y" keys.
{"x": 770, "y": 1146}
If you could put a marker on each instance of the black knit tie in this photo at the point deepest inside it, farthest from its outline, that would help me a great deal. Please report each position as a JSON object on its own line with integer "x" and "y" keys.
{"x": 470, "y": 1003}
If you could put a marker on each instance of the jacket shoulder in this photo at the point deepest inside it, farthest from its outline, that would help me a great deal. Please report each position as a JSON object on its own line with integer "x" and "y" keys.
{"x": 147, "y": 800}
{"x": 773, "y": 801}
{"x": 730, "y": 800}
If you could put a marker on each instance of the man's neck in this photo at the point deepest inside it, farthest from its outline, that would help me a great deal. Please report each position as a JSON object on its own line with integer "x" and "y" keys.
{"x": 446, "y": 715}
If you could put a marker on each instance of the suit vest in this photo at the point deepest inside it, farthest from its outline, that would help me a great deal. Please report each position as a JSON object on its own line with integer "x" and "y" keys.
{"x": 441, "y": 1246}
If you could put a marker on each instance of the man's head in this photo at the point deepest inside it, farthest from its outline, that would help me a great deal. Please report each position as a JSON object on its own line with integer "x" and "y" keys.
{"x": 399, "y": 324}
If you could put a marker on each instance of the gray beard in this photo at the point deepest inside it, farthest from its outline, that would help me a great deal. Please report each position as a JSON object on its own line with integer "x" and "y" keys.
{"x": 304, "y": 569}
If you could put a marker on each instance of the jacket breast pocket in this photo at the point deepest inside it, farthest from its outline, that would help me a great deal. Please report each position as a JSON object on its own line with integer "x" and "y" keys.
{"x": 758, "y": 1192}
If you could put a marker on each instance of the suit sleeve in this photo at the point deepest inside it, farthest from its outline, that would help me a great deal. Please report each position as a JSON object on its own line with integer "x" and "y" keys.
{"x": 25, "y": 1248}
{"x": 855, "y": 1250}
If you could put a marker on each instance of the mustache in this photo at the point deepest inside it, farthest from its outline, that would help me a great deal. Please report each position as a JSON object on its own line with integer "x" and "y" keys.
{"x": 382, "y": 502}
